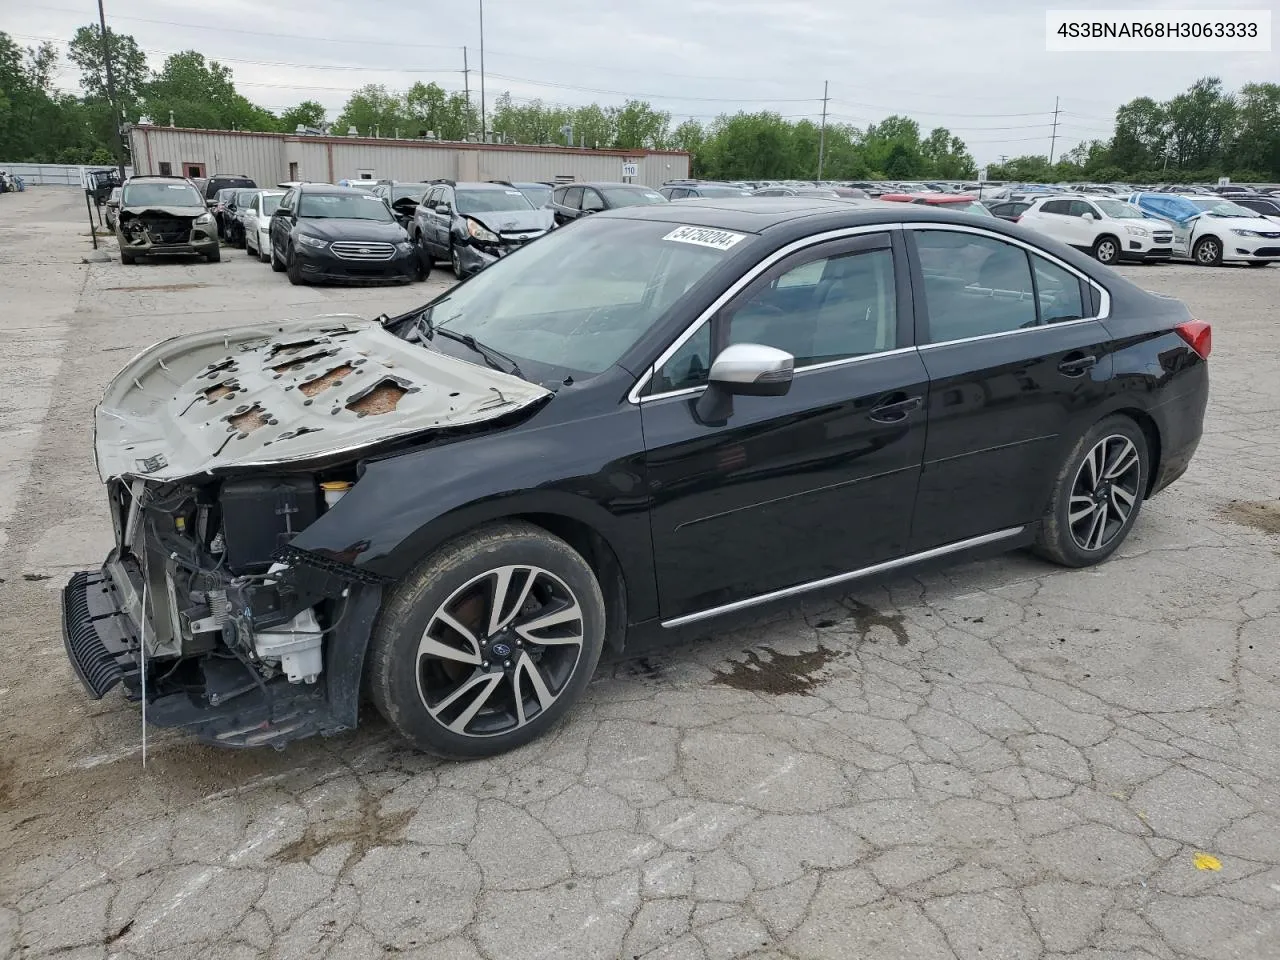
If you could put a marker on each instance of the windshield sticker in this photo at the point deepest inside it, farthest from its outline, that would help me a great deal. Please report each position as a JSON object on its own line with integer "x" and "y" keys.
{"x": 367, "y": 197}
{"x": 176, "y": 186}
{"x": 705, "y": 237}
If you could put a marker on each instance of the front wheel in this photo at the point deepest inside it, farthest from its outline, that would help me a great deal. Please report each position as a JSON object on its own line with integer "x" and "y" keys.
{"x": 276, "y": 265}
{"x": 1107, "y": 250}
{"x": 1208, "y": 252}
{"x": 214, "y": 255}
{"x": 294, "y": 269}
{"x": 1097, "y": 494}
{"x": 488, "y": 643}
{"x": 456, "y": 262}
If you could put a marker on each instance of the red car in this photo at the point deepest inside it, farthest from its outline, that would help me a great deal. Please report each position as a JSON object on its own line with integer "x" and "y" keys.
{"x": 963, "y": 203}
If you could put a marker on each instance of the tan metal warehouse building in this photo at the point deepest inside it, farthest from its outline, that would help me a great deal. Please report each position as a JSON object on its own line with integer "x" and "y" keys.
{"x": 270, "y": 158}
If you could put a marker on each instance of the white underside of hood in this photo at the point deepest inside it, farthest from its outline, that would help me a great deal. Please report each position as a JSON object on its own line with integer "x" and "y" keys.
{"x": 286, "y": 393}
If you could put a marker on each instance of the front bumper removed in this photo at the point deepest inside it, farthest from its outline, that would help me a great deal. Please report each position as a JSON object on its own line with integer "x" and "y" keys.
{"x": 229, "y": 705}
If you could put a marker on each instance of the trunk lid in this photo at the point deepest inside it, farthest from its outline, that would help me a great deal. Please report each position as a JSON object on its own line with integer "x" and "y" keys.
{"x": 286, "y": 393}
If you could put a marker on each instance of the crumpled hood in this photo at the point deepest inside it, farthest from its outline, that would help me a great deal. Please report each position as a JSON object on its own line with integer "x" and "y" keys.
{"x": 286, "y": 393}
{"x": 514, "y": 221}
{"x": 143, "y": 210}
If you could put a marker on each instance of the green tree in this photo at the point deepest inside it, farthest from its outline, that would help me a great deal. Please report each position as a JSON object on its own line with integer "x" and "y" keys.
{"x": 306, "y": 114}
{"x": 637, "y": 125}
{"x": 1257, "y": 141}
{"x": 1201, "y": 125}
{"x": 128, "y": 65}
{"x": 200, "y": 93}
{"x": 1141, "y": 134}
{"x": 373, "y": 111}
{"x": 946, "y": 155}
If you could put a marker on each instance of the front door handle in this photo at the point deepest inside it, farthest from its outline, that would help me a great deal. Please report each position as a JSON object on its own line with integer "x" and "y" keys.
{"x": 1076, "y": 365}
{"x": 896, "y": 410}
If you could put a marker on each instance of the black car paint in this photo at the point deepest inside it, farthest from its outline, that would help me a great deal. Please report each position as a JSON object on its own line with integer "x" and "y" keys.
{"x": 600, "y": 473}
{"x": 440, "y": 233}
{"x": 593, "y": 194}
{"x": 683, "y": 517}
{"x": 322, "y": 264}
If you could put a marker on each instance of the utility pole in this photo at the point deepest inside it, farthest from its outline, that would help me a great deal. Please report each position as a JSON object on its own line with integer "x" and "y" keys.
{"x": 466, "y": 84}
{"x": 111, "y": 89}
{"x": 1053, "y": 140}
{"x": 484, "y": 135}
{"x": 822, "y": 131}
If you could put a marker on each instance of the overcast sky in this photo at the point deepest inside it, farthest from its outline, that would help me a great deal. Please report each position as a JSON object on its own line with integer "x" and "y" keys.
{"x": 978, "y": 67}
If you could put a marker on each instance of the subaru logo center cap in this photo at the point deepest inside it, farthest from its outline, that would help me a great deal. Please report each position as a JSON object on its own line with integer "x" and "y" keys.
{"x": 501, "y": 650}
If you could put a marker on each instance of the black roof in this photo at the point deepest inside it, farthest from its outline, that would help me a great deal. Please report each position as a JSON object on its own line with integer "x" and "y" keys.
{"x": 328, "y": 188}
{"x": 605, "y": 183}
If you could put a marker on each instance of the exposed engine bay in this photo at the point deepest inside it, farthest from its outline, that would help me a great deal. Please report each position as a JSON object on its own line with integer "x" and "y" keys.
{"x": 156, "y": 229}
{"x": 217, "y": 450}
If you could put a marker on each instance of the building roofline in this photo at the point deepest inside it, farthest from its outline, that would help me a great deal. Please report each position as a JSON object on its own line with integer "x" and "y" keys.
{"x": 417, "y": 142}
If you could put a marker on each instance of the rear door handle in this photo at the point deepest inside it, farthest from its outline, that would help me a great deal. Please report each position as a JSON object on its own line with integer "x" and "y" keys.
{"x": 1076, "y": 365}
{"x": 895, "y": 411}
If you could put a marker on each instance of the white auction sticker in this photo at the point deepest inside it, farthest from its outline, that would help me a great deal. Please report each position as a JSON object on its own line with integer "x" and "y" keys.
{"x": 705, "y": 237}
{"x": 1171, "y": 31}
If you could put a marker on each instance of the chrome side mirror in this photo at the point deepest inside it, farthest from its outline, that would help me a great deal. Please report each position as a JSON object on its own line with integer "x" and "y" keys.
{"x": 744, "y": 369}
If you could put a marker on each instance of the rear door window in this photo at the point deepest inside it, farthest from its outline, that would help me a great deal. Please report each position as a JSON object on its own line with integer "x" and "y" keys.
{"x": 974, "y": 285}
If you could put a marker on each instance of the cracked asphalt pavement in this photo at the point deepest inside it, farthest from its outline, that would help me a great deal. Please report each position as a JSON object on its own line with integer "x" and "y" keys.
{"x": 1001, "y": 761}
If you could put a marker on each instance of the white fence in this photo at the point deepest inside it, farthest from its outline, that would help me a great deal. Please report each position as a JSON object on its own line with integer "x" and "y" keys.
{"x": 55, "y": 174}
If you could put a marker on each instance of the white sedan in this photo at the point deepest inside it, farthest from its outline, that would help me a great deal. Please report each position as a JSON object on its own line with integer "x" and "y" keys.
{"x": 257, "y": 223}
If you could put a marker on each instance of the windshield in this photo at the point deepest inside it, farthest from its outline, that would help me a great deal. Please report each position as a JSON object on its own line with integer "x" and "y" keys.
{"x": 270, "y": 201}
{"x": 578, "y": 299}
{"x": 405, "y": 191}
{"x": 243, "y": 197}
{"x": 490, "y": 201}
{"x": 966, "y": 206}
{"x": 161, "y": 195}
{"x": 1119, "y": 210}
{"x": 631, "y": 196}
{"x": 724, "y": 192}
{"x": 1222, "y": 208}
{"x": 343, "y": 206}
{"x": 538, "y": 196}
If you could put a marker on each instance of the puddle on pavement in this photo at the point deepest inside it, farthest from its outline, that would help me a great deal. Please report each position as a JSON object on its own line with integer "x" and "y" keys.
{"x": 1262, "y": 515}
{"x": 780, "y": 673}
{"x": 160, "y": 286}
{"x": 867, "y": 617}
{"x": 365, "y": 832}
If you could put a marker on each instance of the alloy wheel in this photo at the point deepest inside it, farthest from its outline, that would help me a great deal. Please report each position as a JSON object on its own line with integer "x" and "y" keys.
{"x": 1104, "y": 492}
{"x": 1207, "y": 252}
{"x": 1106, "y": 251}
{"x": 499, "y": 651}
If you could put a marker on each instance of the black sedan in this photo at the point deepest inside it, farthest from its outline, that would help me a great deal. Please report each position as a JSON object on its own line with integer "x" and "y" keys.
{"x": 321, "y": 233}
{"x": 573, "y": 200}
{"x": 659, "y": 417}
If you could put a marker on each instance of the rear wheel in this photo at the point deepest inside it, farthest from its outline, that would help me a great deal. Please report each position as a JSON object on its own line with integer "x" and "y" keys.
{"x": 1106, "y": 249}
{"x": 1097, "y": 494}
{"x": 488, "y": 643}
{"x": 1208, "y": 252}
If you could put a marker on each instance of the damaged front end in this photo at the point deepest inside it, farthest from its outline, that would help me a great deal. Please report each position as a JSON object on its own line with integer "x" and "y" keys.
{"x": 166, "y": 230}
{"x": 217, "y": 449}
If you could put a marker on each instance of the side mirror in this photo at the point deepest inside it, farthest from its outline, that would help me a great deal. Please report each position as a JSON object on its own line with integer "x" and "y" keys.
{"x": 744, "y": 369}
{"x": 1089, "y": 216}
{"x": 442, "y": 208}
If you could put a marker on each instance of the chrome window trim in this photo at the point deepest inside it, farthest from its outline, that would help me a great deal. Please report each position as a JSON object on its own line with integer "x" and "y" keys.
{"x": 839, "y": 578}
{"x": 633, "y": 396}
{"x": 799, "y": 371}
{"x": 1104, "y": 300}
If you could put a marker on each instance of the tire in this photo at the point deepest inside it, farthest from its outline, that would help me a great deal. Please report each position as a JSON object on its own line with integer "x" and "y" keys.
{"x": 1258, "y": 263}
{"x": 293, "y": 270}
{"x": 455, "y": 587}
{"x": 214, "y": 255}
{"x": 1072, "y": 533}
{"x": 455, "y": 261}
{"x": 424, "y": 255}
{"x": 1207, "y": 252}
{"x": 1106, "y": 249}
{"x": 127, "y": 259}
{"x": 276, "y": 265}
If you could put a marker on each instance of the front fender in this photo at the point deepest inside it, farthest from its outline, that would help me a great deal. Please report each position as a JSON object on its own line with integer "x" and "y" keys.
{"x": 590, "y": 471}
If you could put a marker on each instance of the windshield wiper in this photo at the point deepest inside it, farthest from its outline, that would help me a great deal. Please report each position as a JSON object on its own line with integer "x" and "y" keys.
{"x": 493, "y": 358}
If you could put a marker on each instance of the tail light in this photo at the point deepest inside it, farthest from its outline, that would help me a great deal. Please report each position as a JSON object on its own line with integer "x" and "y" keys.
{"x": 1199, "y": 336}
{"x": 1017, "y": 218}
